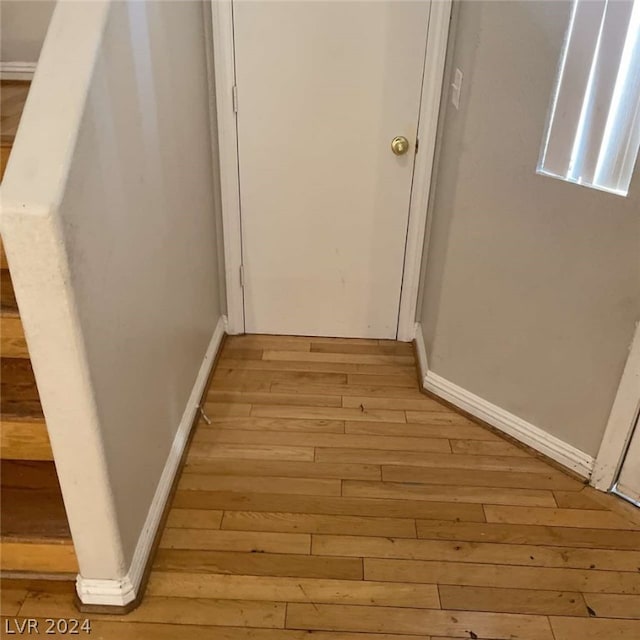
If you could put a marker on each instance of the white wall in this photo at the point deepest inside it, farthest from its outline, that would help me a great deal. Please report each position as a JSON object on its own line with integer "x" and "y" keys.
{"x": 109, "y": 227}
{"x": 23, "y": 25}
{"x": 532, "y": 285}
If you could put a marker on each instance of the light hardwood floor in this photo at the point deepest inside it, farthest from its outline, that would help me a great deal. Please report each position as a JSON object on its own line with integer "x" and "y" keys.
{"x": 329, "y": 495}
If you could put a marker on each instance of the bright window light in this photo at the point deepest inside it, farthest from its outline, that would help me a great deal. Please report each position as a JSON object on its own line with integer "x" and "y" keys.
{"x": 593, "y": 129}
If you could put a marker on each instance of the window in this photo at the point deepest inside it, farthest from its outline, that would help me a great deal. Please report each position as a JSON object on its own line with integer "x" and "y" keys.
{"x": 593, "y": 130}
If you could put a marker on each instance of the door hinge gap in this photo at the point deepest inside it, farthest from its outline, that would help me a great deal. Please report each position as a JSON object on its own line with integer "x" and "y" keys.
{"x": 234, "y": 93}
{"x": 242, "y": 275}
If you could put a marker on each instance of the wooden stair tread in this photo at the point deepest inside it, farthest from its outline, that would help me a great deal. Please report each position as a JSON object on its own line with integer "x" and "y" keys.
{"x": 12, "y": 340}
{"x": 17, "y": 372}
{"x": 7, "y": 311}
{"x": 21, "y": 410}
{"x": 3, "y": 257}
{"x": 8, "y": 303}
{"x": 32, "y": 508}
{"x": 5, "y": 151}
{"x": 13, "y": 94}
{"x": 19, "y": 398}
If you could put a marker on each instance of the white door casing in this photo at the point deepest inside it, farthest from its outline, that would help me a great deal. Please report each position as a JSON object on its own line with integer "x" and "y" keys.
{"x": 622, "y": 419}
{"x": 628, "y": 484}
{"x": 426, "y": 100}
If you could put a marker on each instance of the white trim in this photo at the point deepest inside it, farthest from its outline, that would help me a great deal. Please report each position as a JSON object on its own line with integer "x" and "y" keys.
{"x": 213, "y": 135}
{"x": 17, "y": 70}
{"x": 621, "y": 421}
{"x": 437, "y": 36}
{"x": 224, "y": 63}
{"x": 123, "y": 591}
{"x": 435, "y": 57}
{"x": 421, "y": 349}
{"x": 105, "y": 592}
{"x": 512, "y": 425}
{"x": 523, "y": 431}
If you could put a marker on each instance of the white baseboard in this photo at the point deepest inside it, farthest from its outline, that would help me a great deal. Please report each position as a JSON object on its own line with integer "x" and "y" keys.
{"x": 523, "y": 431}
{"x": 17, "y": 70}
{"x": 125, "y": 590}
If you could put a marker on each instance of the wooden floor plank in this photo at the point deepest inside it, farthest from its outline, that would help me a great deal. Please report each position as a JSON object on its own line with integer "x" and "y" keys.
{"x": 402, "y": 370}
{"x": 230, "y": 501}
{"x": 595, "y": 629}
{"x": 290, "y": 343}
{"x": 186, "y": 611}
{"x": 268, "y": 588}
{"x": 416, "y": 621}
{"x": 399, "y": 392}
{"x": 329, "y": 413}
{"x": 524, "y": 601}
{"x": 480, "y": 478}
{"x": 337, "y": 440}
{"x": 475, "y": 552}
{"x": 247, "y": 376}
{"x": 247, "y": 541}
{"x": 481, "y": 495}
{"x": 502, "y": 576}
{"x": 607, "y": 605}
{"x": 443, "y": 426}
{"x": 380, "y": 379}
{"x": 284, "y": 469}
{"x": 389, "y": 348}
{"x": 258, "y": 484}
{"x": 258, "y": 564}
{"x": 194, "y": 519}
{"x": 13, "y": 593}
{"x": 529, "y": 534}
{"x": 109, "y": 630}
{"x": 319, "y": 523}
{"x": 423, "y": 403}
{"x": 588, "y": 518}
{"x": 276, "y": 424}
{"x": 581, "y": 500}
{"x": 224, "y": 384}
{"x": 347, "y": 358}
{"x": 424, "y": 459}
{"x": 259, "y": 397}
{"x": 221, "y": 410}
{"x": 241, "y": 353}
{"x": 215, "y": 451}
{"x": 493, "y": 448}
{"x": 613, "y": 503}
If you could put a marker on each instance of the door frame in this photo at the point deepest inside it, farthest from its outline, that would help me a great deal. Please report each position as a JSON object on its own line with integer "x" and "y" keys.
{"x": 432, "y": 89}
{"x": 621, "y": 423}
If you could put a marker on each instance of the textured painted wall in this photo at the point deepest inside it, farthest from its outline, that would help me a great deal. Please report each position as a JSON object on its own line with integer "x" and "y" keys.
{"x": 532, "y": 285}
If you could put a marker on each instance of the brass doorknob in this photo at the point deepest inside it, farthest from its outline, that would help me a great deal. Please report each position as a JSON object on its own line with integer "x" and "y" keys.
{"x": 399, "y": 145}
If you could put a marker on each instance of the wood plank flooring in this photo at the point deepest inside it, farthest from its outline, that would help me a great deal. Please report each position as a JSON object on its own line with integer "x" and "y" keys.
{"x": 330, "y": 499}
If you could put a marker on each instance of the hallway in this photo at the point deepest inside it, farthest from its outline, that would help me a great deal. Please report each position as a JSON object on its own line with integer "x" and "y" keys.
{"x": 329, "y": 494}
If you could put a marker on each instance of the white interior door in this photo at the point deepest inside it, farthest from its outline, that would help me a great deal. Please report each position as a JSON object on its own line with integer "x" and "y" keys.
{"x": 629, "y": 479}
{"x": 323, "y": 87}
